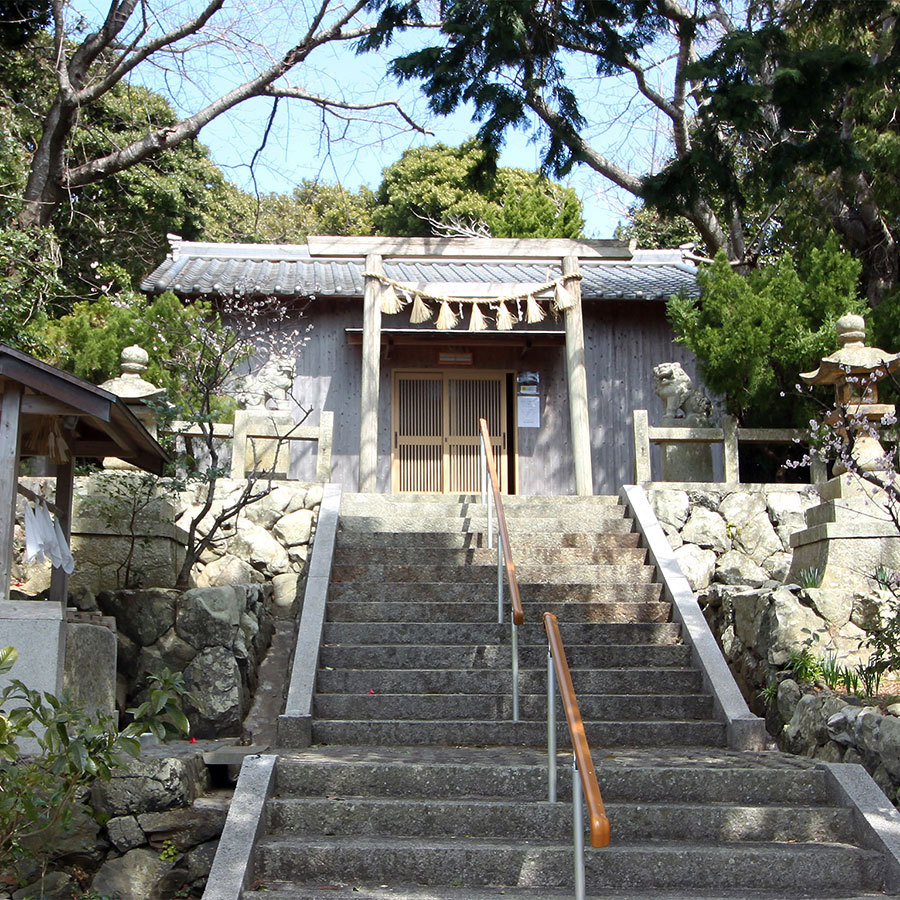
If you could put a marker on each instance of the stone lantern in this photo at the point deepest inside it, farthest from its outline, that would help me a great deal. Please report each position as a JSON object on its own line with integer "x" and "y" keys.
{"x": 136, "y": 391}
{"x": 855, "y": 371}
{"x": 851, "y": 533}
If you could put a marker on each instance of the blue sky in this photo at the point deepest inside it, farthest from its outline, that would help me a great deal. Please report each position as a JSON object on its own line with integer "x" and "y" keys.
{"x": 302, "y": 145}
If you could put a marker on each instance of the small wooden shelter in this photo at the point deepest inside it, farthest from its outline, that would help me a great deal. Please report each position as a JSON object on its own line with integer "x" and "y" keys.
{"x": 45, "y": 411}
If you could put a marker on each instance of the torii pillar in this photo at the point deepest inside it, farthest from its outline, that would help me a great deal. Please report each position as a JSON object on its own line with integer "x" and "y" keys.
{"x": 577, "y": 381}
{"x": 371, "y": 376}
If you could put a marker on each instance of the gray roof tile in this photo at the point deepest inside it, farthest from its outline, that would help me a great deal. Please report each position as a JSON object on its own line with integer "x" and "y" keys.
{"x": 292, "y": 274}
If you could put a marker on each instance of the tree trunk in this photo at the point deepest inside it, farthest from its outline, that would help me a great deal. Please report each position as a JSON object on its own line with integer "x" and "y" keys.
{"x": 45, "y": 189}
{"x": 856, "y": 216}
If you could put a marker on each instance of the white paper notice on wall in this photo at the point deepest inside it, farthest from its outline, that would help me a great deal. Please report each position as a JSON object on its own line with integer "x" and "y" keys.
{"x": 529, "y": 411}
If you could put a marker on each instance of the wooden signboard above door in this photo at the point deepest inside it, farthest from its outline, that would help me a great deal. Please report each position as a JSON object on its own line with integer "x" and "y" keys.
{"x": 435, "y": 442}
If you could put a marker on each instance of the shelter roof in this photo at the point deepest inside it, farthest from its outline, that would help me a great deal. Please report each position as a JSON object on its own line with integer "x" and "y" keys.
{"x": 102, "y": 424}
{"x": 609, "y": 269}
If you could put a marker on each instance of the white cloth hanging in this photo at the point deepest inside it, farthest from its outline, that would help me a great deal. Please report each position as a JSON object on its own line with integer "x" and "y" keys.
{"x": 67, "y": 561}
{"x": 45, "y": 539}
{"x": 49, "y": 542}
{"x": 34, "y": 545}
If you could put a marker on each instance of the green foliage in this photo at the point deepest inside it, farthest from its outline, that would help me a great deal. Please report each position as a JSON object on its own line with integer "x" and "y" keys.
{"x": 28, "y": 280}
{"x": 753, "y": 334}
{"x": 38, "y": 792}
{"x": 810, "y": 577}
{"x": 831, "y": 671}
{"x": 497, "y": 53}
{"x": 804, "y": 665}
{"x": 850, "y": 679}
{"x": 121, "y": 220}
{"x": 769, "y": 693}
{"x": 447, "y": 186}
{"x": 89, "y": 340}
{"x": 312, "y": 208}
{"x": 653, "y": 231}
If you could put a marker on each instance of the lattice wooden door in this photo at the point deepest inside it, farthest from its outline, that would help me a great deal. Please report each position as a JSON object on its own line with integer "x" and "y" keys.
{"x": 435, "y": 433}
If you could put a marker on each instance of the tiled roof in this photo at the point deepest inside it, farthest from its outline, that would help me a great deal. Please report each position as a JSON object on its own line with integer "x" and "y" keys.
{"x": 289, "y": 271}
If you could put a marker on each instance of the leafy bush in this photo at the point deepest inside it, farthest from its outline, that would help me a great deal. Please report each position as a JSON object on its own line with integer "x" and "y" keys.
{"x": 38, "y": 792}
{"x": 753, "y": 334}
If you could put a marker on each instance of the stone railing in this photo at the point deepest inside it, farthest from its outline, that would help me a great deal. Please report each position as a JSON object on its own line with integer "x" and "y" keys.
{"x": 261, "y": 438}
{"x": 730, "y": 436}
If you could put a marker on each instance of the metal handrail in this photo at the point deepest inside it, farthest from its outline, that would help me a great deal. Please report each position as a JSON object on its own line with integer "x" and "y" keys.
{"x": 492, "y": 498}
{"x": 584, "y": 777}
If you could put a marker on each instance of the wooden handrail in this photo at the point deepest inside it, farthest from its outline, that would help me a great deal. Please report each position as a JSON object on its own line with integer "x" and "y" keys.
{"x": 599, "y": 823}
{"x": 518, "y": 613}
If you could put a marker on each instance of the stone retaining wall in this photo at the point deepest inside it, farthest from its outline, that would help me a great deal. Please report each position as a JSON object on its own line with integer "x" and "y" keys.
{"x": 150, "y": 831}
{"x": 268, "y": 542}
{"x": 733, "y": 545}
{"x": 818, "y": 723}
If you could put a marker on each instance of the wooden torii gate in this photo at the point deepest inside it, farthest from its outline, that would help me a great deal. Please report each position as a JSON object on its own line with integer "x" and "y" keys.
{"x": 38, "y": 400}
{"x": 375, "y": 250}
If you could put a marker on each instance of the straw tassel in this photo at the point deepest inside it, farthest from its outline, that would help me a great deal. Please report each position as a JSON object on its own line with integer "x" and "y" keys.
{"x": 446, "y": 319}
{"x": 564, "y": 298}
{"x": 390, "y": 303}
{"x": 420, "y": 312}
{"x": 534, "y": 312}
{"x": 57, "y": 448}
{"x": 505, "y": 318}
{"x": 476, "y": 320}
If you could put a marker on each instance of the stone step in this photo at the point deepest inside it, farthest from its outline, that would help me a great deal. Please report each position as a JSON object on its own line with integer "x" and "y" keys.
{"x": 631, "y": 822}
{"x": 531, "y": 681}
{"x": 608, "y": 521}
{"x": 435, "y": 707}
{"x": 653, "y": 614}
{"x": 491, "y": 733}
{"x": 478, "y": 540}
{"x": 492, "y": 656}
{"x": 471, "y": 861}
{"x": 470, "y": 504}
{"x": 540, "y": 594}
{"x": 543, "y": 556}
{"x": 526, "y": 573}
{"x": 490, "y": 632}
{"x": 512, "y": 499}
{"x": 339, "y": 891}
{"x": 689, "y": 775}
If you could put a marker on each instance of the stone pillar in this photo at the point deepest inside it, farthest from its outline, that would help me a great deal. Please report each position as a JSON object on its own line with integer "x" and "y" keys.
{"x": 371, "y": 376}
{"x": 577, "y": 381}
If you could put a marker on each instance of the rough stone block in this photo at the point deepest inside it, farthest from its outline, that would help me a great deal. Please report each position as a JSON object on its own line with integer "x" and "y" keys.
{"x": 706, "y": 529}
{"x": 143, "y": 616}
{"x": 133, "y": 876}
{"x": 218, "y": 700}
{"x": 696, "y": 564}
{"x": 125, "y": 833}
{"x": 152, "y": 783}
{"x": 89, "y": 676}
{"x": 209, "y": 616}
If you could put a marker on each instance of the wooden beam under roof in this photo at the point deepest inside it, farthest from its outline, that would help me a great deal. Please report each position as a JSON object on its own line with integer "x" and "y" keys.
{"x": 468, "y": 248}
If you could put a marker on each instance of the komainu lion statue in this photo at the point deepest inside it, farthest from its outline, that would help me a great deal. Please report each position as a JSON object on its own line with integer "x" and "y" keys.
{"x": 683, "y": 401}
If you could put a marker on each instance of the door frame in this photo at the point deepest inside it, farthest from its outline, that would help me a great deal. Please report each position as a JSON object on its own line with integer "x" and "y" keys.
{"x": 506, "y": 441}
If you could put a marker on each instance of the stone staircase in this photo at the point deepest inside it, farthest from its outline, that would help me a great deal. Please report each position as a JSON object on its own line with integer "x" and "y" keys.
{"x": 419, "y": 784}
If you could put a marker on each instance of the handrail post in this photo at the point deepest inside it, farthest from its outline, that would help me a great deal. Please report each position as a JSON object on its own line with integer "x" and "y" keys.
{"x": 490, "y": 520}
{"x": 578, "y": 828}
{"x": 551, "y": 728}
{"x": 484, "y": 476}
{"x": 515, "y": 672}
{"x": 500, "y": 562}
